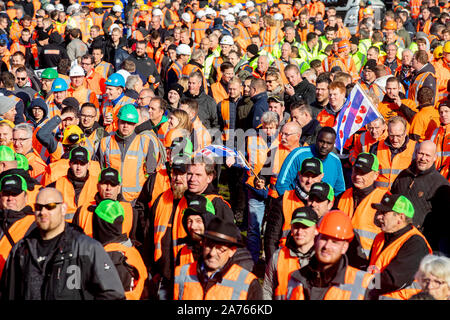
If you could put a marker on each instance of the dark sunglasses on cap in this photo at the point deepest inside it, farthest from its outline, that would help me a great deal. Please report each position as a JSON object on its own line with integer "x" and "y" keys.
{"x": 48, "y": 206}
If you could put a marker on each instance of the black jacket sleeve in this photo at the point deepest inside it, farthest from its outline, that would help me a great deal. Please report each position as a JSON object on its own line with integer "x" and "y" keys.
{"x": 274, "y": 227}
{"x": 45, "y": 134}
{"x": 223, "y": 210}
{"x": 402, "y": 269}
{"x": 255, "y": 291}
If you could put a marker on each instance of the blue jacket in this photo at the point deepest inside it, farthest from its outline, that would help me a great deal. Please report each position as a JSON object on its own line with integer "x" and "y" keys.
{"x": 260, "y": 106}
{"x": 332, "y": 168}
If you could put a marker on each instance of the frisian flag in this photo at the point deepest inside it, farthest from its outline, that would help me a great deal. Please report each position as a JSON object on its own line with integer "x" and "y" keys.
{"x": 358, "y": 111}
{"x": 216, "y": 150}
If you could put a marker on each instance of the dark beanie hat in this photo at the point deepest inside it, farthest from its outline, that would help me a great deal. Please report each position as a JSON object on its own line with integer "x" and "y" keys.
{"x": 178, "y": 88}
{"x": 253, "y": 49}
{"x": 55, "y": 38}
{"x": 172, "y": 47}
{"x": 371, "y": 64}
{"x": 42, "y": 35}
{"x": 71, "y": 101}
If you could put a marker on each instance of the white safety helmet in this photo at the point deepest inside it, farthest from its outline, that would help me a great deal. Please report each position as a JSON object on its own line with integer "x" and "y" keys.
{"x": 76, "y": 71}
{"x": 183, "y": 49}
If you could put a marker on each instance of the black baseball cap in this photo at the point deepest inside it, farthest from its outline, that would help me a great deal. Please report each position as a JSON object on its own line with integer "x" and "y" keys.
{"x": 322, "y": 191}
{"x": 14, "y": 184}
{"x": 79, "y": 154}
{"x": 305, "y": 215}
{"x": 199, "y": 204}
{"x": 111, "y": 176}
{"x": 313, "y": 165}
{"x": 366, "y": 162}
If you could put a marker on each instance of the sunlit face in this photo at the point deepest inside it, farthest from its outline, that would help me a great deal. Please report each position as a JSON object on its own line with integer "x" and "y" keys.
{"x": 388, "y": 221}
{"x": 26, "y": 36}
{"x": 98, "y": 55}
{"x": 87, "y": 65}
{"x": 278, "y": 108}
{"x": 322, "y": 92}
{"x": 270, "y": 129}
{"x": 194, "y": 85}
{"x": 108, "y": 191}
{"x": 336, "y": 98}
{"x": 372, "y": 54}
{"x": 113, "y": 92}
{"x": 247, "y": 88}
{"x": 50, "y": 220}
{"x": 271, "y": 83}
{"x": 22, "y": 142}
{"x": 425, "y": 156}
{"x": 329, "y": 250}
{"x": 155, "y": 111}
{"x": 173, "y": 97}
{"x": 376, "y": 129}
{"x": 77, "y": 81}
{"x": 397, "y": 134}
{"x": 362, "y": 180}
{"x": 197, "y": 178}
{"x": 88, "y": 117}
{"x": 293, "y": 76}
{"x": 195, "y": 226}
{"x": 307, "y": 179}
{"x": 263, "y": 64}
{"x": 234, "y": 90}
{"x": 46, "y": 84}
{"x": 290, "y": 34}
{"x": 21, "y": 79}
{"x": 227, "y": 75}
{"x": 38, "y": 113}
{"x": 215, "y": 255}
{"x": 79, "y": 168}
{"x": 435, "y": 286}
{"x": 6, "y": 135}
{"x": 302, "y": 234}
{"x": 173, "y": 122}
{"x": 126, "y": 128}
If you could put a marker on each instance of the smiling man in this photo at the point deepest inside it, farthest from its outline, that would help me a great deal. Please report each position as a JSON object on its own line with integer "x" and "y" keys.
{"x": 328, "y": 271}
{"x": 427, "y": 189}
{"x": 322, "y": 150}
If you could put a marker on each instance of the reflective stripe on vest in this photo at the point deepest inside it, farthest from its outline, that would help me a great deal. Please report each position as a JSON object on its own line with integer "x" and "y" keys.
{"x": 188, "y": 278}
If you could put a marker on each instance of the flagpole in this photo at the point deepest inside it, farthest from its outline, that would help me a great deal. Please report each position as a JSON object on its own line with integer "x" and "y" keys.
{"x": 248, "y": 165}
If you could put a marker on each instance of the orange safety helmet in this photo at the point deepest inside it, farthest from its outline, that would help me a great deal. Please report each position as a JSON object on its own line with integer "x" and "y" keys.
{"x": 343, "y": 44}
{"x": 336, "y": 224}
{"x": 390, "y": 25}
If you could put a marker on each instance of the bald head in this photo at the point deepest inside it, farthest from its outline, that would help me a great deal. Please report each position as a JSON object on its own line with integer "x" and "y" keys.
{"x": 425, "y": 155}
{"x": 50, "y": 194}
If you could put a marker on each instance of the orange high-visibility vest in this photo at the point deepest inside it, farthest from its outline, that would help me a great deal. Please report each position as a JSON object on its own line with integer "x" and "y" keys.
{"x": 415, "y": 8}
{"x": 380, "y": 258}
{"x": 107, "y": 106}
{"x": 162, "y": 184}
{"x": 134, "y": 259}
{"x": 325, "y": 119}
{"x": 202, "y": 138}
{"x": 354, "y": 287}
{"x": 58, "y": 169}
{"x": 185, "y": 256}
{"x": 286, "y": 264}
{"x": 97, "y": 20}
{"x": 175, "y": 66}
{"x": 270, "y": 37}
{"x": 280, "y": 153}
{"x": 83, "y": 94}
{"x": 362, "y": 216}
{"x": 225, "y": 114}
{"x": 425, "y": 122}
{"x": 390, "y": 169}
{"x": 199, "y": 28}
{"x": 363, "y": 143}
{"x": 17, "y": 231}
{"x": 87, "y": 194}
{"x": 134, "y": 162}
{"x": 442, "y": 76}
{"x": 234, "y": 285}
{"x": 16, "y": 46}
{"x": 290, "y": 203}
{"x": 53, "y": 109}
{"x": 417, "y": 84}
{"x": 190, "y": 69}
{"x": 219, "y": 92}
{"x": 38, "y": 165}
{"x": 104, "y": 69}
{"x": 245, "y": 35}
{"x": 441, "y": 137}
{"x": 96, "y": 83}
{"x": 84, "y": 217}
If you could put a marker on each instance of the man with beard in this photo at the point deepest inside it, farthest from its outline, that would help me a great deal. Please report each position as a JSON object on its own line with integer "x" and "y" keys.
{"x": 322, "y": 94}
{"x": 328, "y": 276}
{"x": 145, "y": 66}
{"x": 162, "y": 229}
{"x": 322, "y": 150}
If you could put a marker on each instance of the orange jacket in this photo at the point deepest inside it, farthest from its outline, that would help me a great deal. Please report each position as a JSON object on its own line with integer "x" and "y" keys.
{"x": 83, "y": 217}
{"x": 96, "y": 83}
{"x": 363, "y": 143}
{"x": 290, "y": 203}
{"x": 442, "y": 76}
{"x": 441, "y": 137}
{"x": 107, "y": 106}
{"x": 134, "y": 259}
{"x": 390, "y": 167}
{"x": 104, "y": 69}
{"x": 58, "y": 169}
{"x": 83, "y": 94}
{"x": 362, "y": 216}
{"x": 234, "y": 285}
{"x": 390, "y": 109}
{"x": 134, "y": 161}
{"x": 65, "y": 186}
{"x": 355, "y": 284}
{"x": 219, "y": 93}
{"x": 381, "y": 257}
{"x": 286, "y": 264}
{"x": 425, "y": 122}
{"x": 38, "y": 165}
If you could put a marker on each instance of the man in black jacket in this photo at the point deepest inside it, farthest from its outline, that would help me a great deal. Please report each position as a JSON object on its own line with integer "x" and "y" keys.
{"x": 57, "y": 261}
{"x": 428, "y": 191}
{"x": 302, "y": 114}
{"x": 297, "y": 88}
{"x": 144, "y": 65}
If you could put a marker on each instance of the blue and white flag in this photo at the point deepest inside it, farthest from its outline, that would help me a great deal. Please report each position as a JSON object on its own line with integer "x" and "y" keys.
{"x": 216, "y": 150}
{"x": 358, "y": 111}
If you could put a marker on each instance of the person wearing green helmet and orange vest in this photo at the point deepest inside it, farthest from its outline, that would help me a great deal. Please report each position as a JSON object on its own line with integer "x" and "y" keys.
{"x": 397, "y": 250}
{"x": 328, "y": 276}
{"x": 107, "y": 229}
{"x": 113, "y": 100}
{"x": 126, "y": 150}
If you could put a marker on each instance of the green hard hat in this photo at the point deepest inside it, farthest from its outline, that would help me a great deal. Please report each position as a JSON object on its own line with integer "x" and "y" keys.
{"x": 49, "y": 73}
{"x": 7, "y": 154}
{"x": 128, "y": 113}
{"x": 22, "y": 162}
{"x": 109, "y": 210}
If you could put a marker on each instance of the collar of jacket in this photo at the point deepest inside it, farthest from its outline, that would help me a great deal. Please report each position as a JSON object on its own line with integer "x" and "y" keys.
{"x": 414, "y": 171}
{"x": 308, "y": 129}
{"x": 192, "y": 96}
{"x": 121, "y": 139}
{"x": 360, "y": 194}
{"x": 390, "y": 237}
{"x": 88, "y": 131}
{"x": 260, "y": 96}
{"x": 299, "y": 192}
{"x": 114, "y": 102}
{"x": 8, "y": 217}
{"x": 216, "y": 277}
{"x": 210, "y": 189}
{"x": 420, "y": 107}
{"x": 394, "y": 150}
{"x": 330, "y": 110}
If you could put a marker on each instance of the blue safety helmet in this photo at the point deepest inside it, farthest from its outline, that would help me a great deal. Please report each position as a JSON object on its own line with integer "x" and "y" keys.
{"x": 115, "y": 80}
{"x": 59, "y": 84}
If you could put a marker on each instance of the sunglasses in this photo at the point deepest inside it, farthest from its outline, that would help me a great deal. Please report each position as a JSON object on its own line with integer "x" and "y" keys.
{"x": 22, "y": 79}
{"x": 48, "y": 206}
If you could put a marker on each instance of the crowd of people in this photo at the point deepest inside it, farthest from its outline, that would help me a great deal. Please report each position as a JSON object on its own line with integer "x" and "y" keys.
{"x": 186, "y": 150}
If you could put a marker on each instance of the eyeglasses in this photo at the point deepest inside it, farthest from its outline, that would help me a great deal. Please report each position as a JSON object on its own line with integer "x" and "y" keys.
{"x": 21, "y": 139}
{"x": 270, "y": 81}
{"x": 87, "y": 116}
{"x": 48, "y": 206}
{"x": 432, "y": 283}
{"x": 21, "y": 79}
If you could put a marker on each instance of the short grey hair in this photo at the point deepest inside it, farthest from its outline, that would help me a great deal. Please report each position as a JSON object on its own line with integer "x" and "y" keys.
{"x": 269, "y": 117}
{"x": 438, "y": 266}
{"x": 197, "y": 54}
{"x": 28, "y": 128}
{"x": 131, "y": 82}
